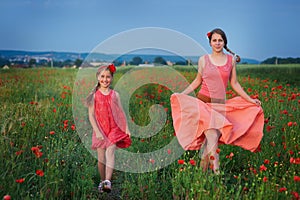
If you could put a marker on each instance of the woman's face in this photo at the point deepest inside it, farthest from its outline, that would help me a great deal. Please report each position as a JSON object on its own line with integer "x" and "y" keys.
{"x": 217, "y": 42}
{"x": 105, "y": 79}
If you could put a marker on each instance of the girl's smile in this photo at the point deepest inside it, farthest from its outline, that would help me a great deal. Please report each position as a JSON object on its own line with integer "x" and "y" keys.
{"x": 105, "y": 79}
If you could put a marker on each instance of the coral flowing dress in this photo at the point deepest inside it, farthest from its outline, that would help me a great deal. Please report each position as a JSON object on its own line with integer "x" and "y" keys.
{"x": 111, "y": 121}
{"x": 239, "y": 122}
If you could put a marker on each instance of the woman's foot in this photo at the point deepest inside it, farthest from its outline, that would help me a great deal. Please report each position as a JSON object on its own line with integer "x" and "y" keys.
{"x": 106, "y": 186}
{"x": 204, "y": 163}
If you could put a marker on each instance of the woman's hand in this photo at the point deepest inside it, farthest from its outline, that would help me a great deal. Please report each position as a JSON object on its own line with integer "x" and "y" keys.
{"x": 256, "y": 102}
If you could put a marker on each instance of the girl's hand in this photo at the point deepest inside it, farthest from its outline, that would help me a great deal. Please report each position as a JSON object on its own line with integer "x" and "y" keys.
{"x": 99, "y": 136}
{"x": 128, "y": 133}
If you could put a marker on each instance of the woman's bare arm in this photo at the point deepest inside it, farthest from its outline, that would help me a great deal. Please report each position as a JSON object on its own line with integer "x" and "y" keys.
{"x": 198, "y": 80}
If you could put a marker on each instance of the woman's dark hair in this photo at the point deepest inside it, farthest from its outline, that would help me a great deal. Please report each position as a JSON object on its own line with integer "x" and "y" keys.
{"x": 223, "y": 35}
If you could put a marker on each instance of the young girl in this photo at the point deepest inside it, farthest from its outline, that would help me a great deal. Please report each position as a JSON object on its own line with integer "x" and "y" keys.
{"x": 210, "y": 119}
{"x": 109, "y": 124}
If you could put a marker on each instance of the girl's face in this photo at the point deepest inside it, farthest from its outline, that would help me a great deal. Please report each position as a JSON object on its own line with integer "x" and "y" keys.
{"x": 105, "y": 79}
{"x": 217, "y": 42}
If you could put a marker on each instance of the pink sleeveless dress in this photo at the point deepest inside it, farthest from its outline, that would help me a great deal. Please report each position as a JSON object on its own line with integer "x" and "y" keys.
{"x": 239, "y": 122}
{"x": 111, "y": 121}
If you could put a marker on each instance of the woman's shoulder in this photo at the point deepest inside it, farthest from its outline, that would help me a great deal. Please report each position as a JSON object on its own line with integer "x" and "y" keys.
{"x": 230, "y": 59}
{"x": 203, "y": 57}
{"x": 202, "y": 61}
{"x": 230, "y": 56}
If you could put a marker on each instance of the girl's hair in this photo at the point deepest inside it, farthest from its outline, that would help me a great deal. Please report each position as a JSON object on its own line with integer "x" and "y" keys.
{"x": 223, "y": 35}
{"x": 90, "y": 98}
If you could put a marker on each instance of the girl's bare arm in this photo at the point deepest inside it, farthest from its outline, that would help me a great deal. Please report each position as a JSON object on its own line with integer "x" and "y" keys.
{"x": 93, "y": 122}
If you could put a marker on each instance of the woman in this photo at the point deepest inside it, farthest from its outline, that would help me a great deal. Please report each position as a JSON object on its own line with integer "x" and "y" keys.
{"x": 210, "y": 119}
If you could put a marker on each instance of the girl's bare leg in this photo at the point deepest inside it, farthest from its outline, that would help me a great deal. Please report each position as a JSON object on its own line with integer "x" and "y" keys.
{"x": 110, "y": 161}
{"x": 101, "y": 163}
{"x": 212, "y": 137}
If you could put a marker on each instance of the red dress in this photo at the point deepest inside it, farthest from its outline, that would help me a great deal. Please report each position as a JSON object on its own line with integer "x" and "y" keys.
{"x": 240, "y": 123}
{"x": 111, "y": 121}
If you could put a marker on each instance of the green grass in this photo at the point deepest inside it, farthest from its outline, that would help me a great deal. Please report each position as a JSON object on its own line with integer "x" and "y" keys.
{"x": 37, "y": 111}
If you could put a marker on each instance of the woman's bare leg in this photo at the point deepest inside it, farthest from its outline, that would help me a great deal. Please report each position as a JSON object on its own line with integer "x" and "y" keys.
{"x": 212, "y": 137}
{"x": 204, "y": 158}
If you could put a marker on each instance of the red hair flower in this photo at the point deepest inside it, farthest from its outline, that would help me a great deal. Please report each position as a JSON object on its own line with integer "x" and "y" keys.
{"x": 112, "y": 68}
{"x": 208, "y": 34}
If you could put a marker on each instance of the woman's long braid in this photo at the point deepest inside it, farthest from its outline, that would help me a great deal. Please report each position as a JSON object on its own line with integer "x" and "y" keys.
{"x": 237, "y": 57}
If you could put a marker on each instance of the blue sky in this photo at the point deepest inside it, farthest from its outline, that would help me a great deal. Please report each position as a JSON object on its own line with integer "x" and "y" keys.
{"x": 256, "y": 29}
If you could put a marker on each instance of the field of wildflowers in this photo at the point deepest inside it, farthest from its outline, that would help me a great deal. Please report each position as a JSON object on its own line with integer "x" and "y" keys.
{"x": 43, "y": 155}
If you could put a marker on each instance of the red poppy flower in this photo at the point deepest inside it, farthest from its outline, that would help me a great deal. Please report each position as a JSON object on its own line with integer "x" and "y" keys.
{"x": 112, "y": 68}
{"x": 39, "y": 172}
{"x": 272, "y": 144}
{"x": 19, "y": 152}
{"x": 169, "y": 151}
{"x": 230, "y": 155}
{"x": 262, "y": 168}
{"x": 35, "y": 149}
{"x": 283, "y": 189}
{"x": 180, "y": 162}
{"x": 296, "y": 178}
{"x": 21, "y": 180}
{"x": 269, "y": 128}
{"x": 193, "y": 162}
{"x": 295, "y": 194}
{"x": 266, "y": 120}
{"x": 266, "y": 161}
{"x": 7, "y": 197}
{"x": 151, "y": 160}
{"x": 265, "y": 179}
{"x": 294, "y": 160}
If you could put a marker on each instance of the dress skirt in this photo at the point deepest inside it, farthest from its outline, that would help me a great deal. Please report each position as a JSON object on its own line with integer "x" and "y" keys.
{"x": 239, "y": 122}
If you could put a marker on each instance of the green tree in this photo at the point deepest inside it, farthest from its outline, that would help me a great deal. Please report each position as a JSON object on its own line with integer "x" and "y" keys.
{"x": 32, "y": 62}
{"x": 3, "y": 61}
{"x": 78, "y": 62}
{"x": 136, "y": 60}
{"x": 159, "y": 60}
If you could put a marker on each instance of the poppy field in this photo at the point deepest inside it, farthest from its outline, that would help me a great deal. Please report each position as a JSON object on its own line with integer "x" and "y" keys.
{"x": 44, "y": 151}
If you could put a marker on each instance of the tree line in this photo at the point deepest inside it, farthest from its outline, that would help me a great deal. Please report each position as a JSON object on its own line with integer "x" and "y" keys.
{"x": 135, "y": 61}
{"x": 276, "y": 60}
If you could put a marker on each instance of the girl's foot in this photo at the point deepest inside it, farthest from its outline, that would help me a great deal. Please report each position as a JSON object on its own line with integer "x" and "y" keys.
{"x": 100, "y": 187}
{"x": 107, "y": 186}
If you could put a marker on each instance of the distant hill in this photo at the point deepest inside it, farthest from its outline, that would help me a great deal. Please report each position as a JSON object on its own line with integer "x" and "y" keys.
{"x": 59, "y": 56}
{"x": 249, "y": 61}
{"x": 16, "y": 55}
